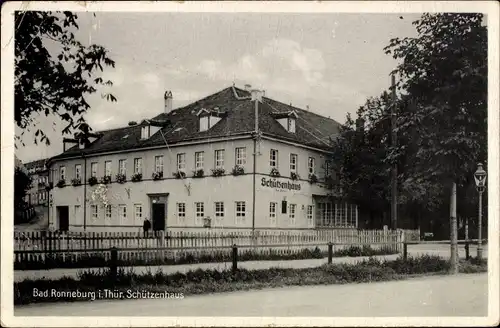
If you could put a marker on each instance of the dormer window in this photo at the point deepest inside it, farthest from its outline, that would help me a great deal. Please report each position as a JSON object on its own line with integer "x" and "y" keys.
{"x": 145, "y": 132}
{"x": 150, "y": 127}
{"x": 208, "y": 118}
{"x": 287, "y": 120}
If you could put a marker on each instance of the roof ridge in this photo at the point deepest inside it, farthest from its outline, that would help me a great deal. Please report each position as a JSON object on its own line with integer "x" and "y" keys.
{"x": 301, "y": 109}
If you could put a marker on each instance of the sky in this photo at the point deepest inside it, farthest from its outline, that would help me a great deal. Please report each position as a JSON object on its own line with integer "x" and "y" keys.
{"x": 330, "y": 62}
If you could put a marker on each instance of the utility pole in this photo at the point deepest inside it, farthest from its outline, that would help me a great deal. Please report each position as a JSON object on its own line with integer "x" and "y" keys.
{"x": 394, "y": 173}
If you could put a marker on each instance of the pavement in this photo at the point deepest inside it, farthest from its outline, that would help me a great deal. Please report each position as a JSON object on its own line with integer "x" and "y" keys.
{"x": 458, "y": 295}
{"x": 413, "y": 250}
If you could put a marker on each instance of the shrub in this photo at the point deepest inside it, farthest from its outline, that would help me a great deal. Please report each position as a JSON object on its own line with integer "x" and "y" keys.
{"x": 105, "y": 179}
{"x": 92, "y": 181}
{"x": 198, "y": 173}
{"x": 61, "y": 183}
{"x": 136, "y": 177}
{"x": 76, "y": 182}
{"x": 294, "y": 176}
{"x": 274, "y": 172}
{"x": 218, "y": 172}
{"x": 238, "y": 170}
{"x": 157, "y": 175}
{"x": 313, "y": 178}
{"x": 179, "y": 174}
{"x": 121, "y": 178}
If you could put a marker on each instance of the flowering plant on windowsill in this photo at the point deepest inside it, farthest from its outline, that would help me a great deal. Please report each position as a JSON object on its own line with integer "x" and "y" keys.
{"x": 76, "y": 182}
{"x": 275, "y": 172}
{"x": 61, "y": 183}
{"x": 157, "y": 175}
{"x": 105, "y": 179}
{"x": 238, "y": 170}
{"x": 313, "y": 178}
{"x": 179, "y": 174}
{"x": 218, "y": 172}
{"x": 136, "y": 177}
{"x": 49, "y": 186}
{"x": 121, "y": 178}
{"x": 198, "y": 173}
{"x": 294, "y": 176}
{"x": 92, "y": 181}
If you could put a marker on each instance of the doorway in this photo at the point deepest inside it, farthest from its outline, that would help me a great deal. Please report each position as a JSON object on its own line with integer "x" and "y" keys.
{"x": 63, "y": 218}
{"x": 158, "y": 217}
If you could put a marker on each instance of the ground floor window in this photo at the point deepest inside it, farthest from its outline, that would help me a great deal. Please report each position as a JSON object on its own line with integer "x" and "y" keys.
{"x": 181, "y": 212}
{"x": 94, "y": 211}
{"x": 332, "y": 214}
{"x": 310, "y": 215}
{"x": 199, "y": 211}
{"x": 240, "y": 212}
{"x": 219, "y": 210}
{"x": 272, "y": 213}
{"x": 138, "y": 214}
{"x": 123, "y": 213}
{"x": 293, "y": 208}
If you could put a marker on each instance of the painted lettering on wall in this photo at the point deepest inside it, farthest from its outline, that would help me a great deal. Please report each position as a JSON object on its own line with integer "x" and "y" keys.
{"x": 273, "y": 183}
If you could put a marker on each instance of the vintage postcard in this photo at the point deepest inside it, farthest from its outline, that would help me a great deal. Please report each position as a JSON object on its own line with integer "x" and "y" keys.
{"x": 248, "y": 163}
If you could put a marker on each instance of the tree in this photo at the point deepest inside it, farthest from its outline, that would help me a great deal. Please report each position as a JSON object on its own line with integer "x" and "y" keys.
{"x": 22, "y": 183}
{"x": 58, "y": 82}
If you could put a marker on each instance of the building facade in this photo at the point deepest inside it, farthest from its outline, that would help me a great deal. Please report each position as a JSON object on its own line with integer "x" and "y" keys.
{"x": 233, "y": 160}
{"x": 38, "y": 194}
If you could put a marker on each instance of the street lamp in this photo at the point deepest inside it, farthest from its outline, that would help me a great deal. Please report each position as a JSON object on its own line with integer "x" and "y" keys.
{"x": 480, "y": 178}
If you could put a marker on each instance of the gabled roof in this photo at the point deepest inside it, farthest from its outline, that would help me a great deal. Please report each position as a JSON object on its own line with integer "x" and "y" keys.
{"x": 182, "y": 124}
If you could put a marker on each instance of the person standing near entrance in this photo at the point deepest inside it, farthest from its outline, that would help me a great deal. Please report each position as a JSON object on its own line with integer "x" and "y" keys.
{"x": 146, "y": 226}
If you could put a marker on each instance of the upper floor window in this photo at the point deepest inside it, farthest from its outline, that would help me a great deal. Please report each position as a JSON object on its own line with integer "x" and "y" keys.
{"x": 93, "y": 170}
{"x": 94, "y": 211}
{"x": 219, "y": 159}
{"x": 181, "y": 162}
{"x": 159, "y": 163}
{"x": 107, "y": 168}
{"x": 293, "y": 163}
{"x": 198, "y": 160}
{"x": 78, "y": 171}
{"x": 122, "y": 166}
{"x": 138, "y": 165}
{"x": 241, "y": 156}
{"x": 311, "y": 165}
{"x": 273, "y": 158}
{"x": 62, "y": 173}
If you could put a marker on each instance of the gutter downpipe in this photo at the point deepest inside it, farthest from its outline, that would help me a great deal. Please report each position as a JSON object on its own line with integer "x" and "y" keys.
{"x": 84, "y": 192}
{"x": 255, "y": 161}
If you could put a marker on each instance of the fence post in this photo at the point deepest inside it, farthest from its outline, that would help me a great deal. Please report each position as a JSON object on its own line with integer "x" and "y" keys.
{"x": 405, "y": 250}
{"x": 467, "y": 250}
{"x": 235, "y": 258}
{"x": 113, "y": 265}
{"x": 330, "y": 252}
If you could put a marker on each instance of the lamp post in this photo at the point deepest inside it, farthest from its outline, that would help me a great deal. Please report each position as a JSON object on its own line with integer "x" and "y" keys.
{"x": 480, "y": 178}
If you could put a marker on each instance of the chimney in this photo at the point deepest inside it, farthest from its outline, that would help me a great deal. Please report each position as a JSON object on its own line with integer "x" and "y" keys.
{"x": 248, "y": 87}
{"x": 256, "y": 95}
{"x": 168, "y": 102}
{"x": 132, "y": 123}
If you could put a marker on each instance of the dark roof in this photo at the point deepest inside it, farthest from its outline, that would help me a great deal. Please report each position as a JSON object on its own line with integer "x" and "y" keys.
{"x": 38, "y": 164}
{"x": 311, "y": 129}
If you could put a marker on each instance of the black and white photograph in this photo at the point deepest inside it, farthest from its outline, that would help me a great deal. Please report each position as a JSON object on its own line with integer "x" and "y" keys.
{"x": 250, "y": 163}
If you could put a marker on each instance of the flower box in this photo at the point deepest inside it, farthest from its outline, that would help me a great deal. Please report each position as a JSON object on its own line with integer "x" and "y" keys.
{"x": 61, "y": 183}
{"x": 275, "y": 172}
{"x": 313, "y": 178}
{"x": 76, "y": 182}
{"x": 121, "y": 178}
{"x": 137, "y": 177}
{"x": 198, "y": 173}
{"x": 238, "y": 170}
{"x": 92, "y": 181}
{"x": 105, "y": 179}
{"x": 157, "y": 175}
{"x": 49, "y": 186}
{"x": 179, "y": 174}
{"x": 218, "y": 172}
{"x": 294, "y": 176}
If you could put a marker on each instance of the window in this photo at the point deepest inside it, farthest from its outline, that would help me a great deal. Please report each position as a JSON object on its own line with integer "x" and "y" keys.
{"x": 241, "y": 156}
{"x": 137, "y": 165}
{"x": 181, "y": 211}
{"x": 122, "y": 213}
{"x": 273, "y": 158}
{"x": 122, "y": 166}
{"x": 291, "y": 214}
{"x": 159, "y": 163}
{"x": 291, "y": 125}
{"x": 145, "y": 132}
{"x": 108, "y": 211}
{"x": 219, "y": 210}
{"x": 198, "y": 160}
{"x": 310, "y": 215}
{"x": 203, "y": 123}
{"x": 327, "y": 168}
{"x": 293, "y": 163}
{"x": 181, "y": 162}
{"x": 138, "y": 213}
{"x": 78, "y": 172}
{"x": 107, "y": 168}
{"x": 199, "y": 211}
{"x": 93, "y": 170}
{"x": 77, "y": 213}
{"x": 240, "y": 212}
{"x": 219, "y": 159}
{"x": 62, "y": 173}
{"x": 272, "y": 212}
{"x": 94, "y": 211}
{"x": 311, "y": 165}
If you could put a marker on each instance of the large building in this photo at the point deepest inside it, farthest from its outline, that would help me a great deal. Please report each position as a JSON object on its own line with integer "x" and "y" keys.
{"x": 38, "y": 194}
{"x": 233, "y": 160}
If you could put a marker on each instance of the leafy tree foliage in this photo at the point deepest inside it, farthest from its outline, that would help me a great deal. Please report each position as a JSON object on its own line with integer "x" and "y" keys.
{"x": 54, "y": 82}
{"x": 22, "y": 183}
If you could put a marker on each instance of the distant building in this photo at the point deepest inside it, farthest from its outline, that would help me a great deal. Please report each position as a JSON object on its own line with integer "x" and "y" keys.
{"x": 213, "y": 164}
{"x": 38, "y": 194}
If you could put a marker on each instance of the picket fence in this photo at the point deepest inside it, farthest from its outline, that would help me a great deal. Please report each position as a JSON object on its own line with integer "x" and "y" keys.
{"x": 36, "y": 245}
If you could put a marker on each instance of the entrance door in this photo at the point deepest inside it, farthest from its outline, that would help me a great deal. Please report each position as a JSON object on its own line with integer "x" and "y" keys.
{"x": 63, "y": 218}
{"x": 158, "y": 217}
